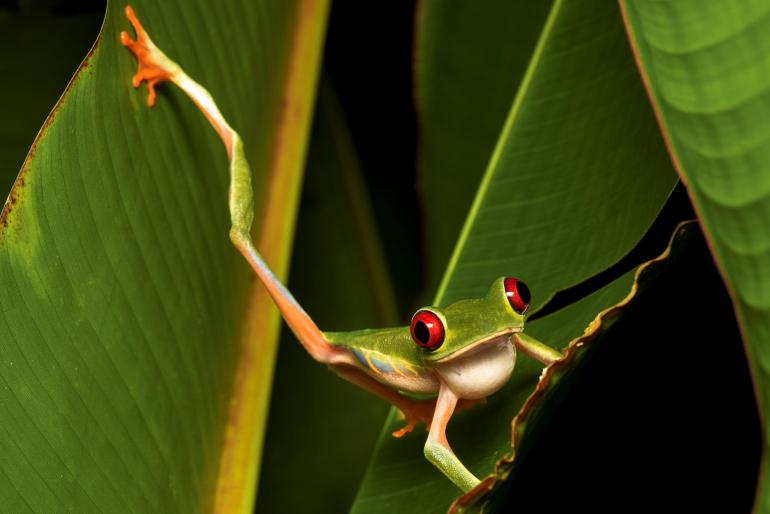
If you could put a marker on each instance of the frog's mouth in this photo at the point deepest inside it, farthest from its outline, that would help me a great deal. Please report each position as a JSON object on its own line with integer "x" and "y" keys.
{"x": 474, "y": 347}
{"x": 481, "y": 369}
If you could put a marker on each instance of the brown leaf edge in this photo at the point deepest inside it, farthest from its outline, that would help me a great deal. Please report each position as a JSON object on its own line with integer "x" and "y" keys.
{"x": 553, "y": 374}
{"x": 16, "y": 194}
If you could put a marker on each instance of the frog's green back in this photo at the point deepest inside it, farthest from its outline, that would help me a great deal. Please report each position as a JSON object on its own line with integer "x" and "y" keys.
{"x": 382, "y": 350}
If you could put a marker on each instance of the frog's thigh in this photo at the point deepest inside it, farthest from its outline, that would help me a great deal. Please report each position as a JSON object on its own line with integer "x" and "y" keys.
{"x": 415, "y": 410}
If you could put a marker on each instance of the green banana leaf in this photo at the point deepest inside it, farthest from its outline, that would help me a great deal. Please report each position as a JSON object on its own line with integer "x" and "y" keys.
{"x": 123, "y": 301}
{"x": 469, "y": 59}
{"x": 705, "y": 65}
{"x": 578, "y": 175}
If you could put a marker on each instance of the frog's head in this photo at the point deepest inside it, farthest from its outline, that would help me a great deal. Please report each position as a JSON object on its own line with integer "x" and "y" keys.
{"x": 445, "y": 334}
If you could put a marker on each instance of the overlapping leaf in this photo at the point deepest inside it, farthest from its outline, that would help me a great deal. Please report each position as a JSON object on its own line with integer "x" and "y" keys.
{"x": 706, "y": 65}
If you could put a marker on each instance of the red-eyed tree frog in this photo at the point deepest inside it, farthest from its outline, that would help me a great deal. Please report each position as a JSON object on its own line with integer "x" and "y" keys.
{"x": 460, "y": 354}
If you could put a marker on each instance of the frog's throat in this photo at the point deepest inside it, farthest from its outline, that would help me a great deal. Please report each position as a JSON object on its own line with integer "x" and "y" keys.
{"x": 471, "y": 347}
{"x": 481, "y": 373}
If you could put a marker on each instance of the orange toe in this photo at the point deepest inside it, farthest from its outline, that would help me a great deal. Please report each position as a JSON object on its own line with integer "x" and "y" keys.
{"x": 402, "y": 431}
{"x": 150, "y": 61}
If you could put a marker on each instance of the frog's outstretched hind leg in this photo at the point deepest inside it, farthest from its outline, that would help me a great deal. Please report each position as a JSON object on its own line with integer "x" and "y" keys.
{"x": 155, "y": 67}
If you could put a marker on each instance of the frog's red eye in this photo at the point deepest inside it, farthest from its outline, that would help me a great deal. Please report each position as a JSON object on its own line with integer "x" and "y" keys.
{"x": 517, "y": 293}
{"x": 427, "y": 330}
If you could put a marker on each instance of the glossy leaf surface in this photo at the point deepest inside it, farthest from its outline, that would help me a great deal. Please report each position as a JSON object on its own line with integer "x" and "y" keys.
{"x": 706, "y": 65}
{"x": 123, "y": 300}
{"x": 469, "y": 60}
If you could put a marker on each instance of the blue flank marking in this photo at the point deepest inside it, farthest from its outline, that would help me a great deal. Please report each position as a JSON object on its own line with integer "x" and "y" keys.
{"x": 382, "y": 366}
{"x": 360, "y": 356}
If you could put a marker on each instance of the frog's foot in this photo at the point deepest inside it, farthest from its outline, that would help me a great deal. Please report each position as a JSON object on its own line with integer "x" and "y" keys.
{"x": 415, "y": 412}
{"x": 153, "y": 65}
{"x": 421, "y": 411}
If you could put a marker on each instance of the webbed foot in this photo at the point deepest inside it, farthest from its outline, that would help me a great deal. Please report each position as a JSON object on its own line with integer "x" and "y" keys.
{"x": 152, "y": 64}
{"x": 421, "y": 411}
{"x": 414, "y": 413}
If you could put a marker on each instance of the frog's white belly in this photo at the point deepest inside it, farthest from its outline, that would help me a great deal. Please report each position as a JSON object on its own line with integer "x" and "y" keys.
{"x": 481, "y": 371}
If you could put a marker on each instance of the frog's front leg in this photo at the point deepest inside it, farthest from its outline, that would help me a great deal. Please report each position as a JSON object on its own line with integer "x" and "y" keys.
{"x": 437, "y": 449}
{"x": 535, "y": 349}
